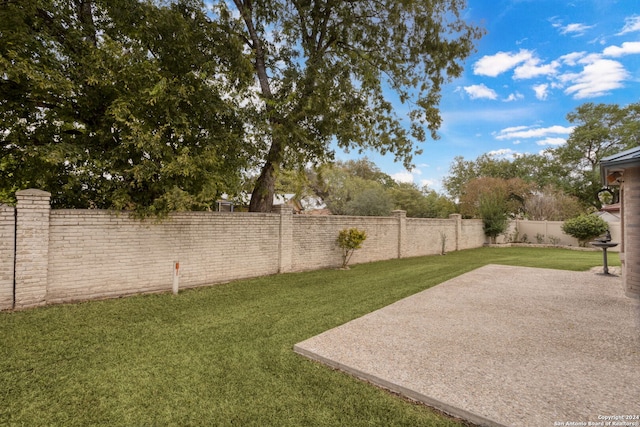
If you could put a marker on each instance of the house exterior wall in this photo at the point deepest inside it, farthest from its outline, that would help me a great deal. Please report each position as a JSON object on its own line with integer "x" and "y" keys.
{"x": 631, "y": 221}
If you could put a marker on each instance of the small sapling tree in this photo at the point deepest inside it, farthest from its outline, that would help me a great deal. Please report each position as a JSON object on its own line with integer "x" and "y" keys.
{"x": 585, "y": 227}
{"x": 349, "y": 240}
{"x": 443, "y": 242}
{"x": 494, "y": 215}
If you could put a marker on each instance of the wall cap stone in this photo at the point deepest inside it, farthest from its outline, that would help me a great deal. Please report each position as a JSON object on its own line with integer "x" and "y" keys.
{"x": 32, "y": 192}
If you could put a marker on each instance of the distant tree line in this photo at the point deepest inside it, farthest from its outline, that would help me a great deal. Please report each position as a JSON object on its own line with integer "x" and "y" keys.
{"x": 557, "y": 184}
{"x": 359, "y": 187}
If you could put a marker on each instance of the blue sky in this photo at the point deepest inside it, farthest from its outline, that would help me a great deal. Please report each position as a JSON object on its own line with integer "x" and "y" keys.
{"x": 539, "y": 60}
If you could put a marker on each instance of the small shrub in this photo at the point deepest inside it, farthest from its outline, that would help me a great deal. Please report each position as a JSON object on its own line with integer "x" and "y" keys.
{"x": 349, "y": 240}
{"x": 513, "y": 237}
{"x": 554, "y": 240}
{"x": 539, "y": 238}
{"x": 443, "y": 242}
{"x": 585, "y": 227}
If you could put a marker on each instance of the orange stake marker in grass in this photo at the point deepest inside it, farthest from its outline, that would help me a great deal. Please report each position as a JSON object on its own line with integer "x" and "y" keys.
{"x": 176, "y": 276}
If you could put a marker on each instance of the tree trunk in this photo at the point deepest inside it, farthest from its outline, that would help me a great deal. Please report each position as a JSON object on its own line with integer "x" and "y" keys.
{"x": 264, "y": 190}
{"x": 85, "y": 15}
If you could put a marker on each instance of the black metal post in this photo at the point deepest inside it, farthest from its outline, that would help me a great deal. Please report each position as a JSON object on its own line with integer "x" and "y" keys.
{"x": 604, "y": 257}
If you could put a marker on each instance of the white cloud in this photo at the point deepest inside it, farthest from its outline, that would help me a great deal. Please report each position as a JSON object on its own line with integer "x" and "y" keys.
{"x": 531, "y": 69}
{"x": 429, "y": 183}
{"x": 627, "y": 48}
{"x": 493, "y": 65}
{"x": 514, "y": 97}
{"x": 596, "y": 79}
{"x": 541, "y": 90}
{"x": 495, "y": 114}
{"x": 532, "y": 132}
{"x": 404, "y": 176}
{"x": 551, "y": 141}
{"x": 525, "y": 64}
{"x": 601, "y": 40}
{"x": 409, "y": 176}
{"x": 503, "y": 153}
{"x": 590, "y": 58}
{"x": 576, "y": 29}
{"x": 631, "y": 24}
{"x": 480, "y": 91}
{"x": 572, "y": 58}
{"x": 514, "y": 129}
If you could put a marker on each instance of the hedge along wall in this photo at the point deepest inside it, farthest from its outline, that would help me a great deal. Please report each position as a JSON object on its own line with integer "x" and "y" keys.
{"x": 70, "y": 255}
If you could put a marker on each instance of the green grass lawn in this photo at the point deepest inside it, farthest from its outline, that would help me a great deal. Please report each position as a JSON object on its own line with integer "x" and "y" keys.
{"x": 223, "y": 355}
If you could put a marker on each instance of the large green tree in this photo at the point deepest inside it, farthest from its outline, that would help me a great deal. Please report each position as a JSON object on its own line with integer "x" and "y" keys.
{"x": 601, "y": 130}
{"x": 509, "y": 194}
{"x": 359, "y": 187}
{"x": 324, "y": 67}
{"x": 533, "y": 168}
{"x": 354, "y": 187}
{"x": 119, "y": 103}
{"x": 551, "y": 204}
{"x": 421, "y": 202}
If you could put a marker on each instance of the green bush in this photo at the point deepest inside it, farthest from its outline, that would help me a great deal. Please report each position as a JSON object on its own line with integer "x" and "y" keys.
{"x": 349, "y": 240}
{"x": 585, "y": 227}
{"x": 494, "y": 215}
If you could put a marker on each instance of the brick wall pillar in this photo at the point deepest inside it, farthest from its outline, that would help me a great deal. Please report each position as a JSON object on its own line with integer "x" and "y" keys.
{"x": 32, "y": 247}
{"x": 631, "y": 232}
{"x": 402, "y": 232}
{"x": 457, "y": 219}
{"x": 285, "y": 245}
{"x": 7, "y": 253}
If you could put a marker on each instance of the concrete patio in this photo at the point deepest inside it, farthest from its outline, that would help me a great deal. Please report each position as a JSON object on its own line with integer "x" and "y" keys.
{"x": 502, "y": 346}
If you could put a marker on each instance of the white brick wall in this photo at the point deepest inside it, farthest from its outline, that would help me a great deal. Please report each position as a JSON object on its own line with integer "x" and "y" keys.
{"x": 32, "y": 247}
{"x": 471, "y": 234}
{"x": 69, "y": 255}
{"x": 96, "y": 254}
{"x": 314, "y": 240}
{"x": 424, "y": 238}
{"x": 7, "y": 251}
{"x": 553, "y": 229}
